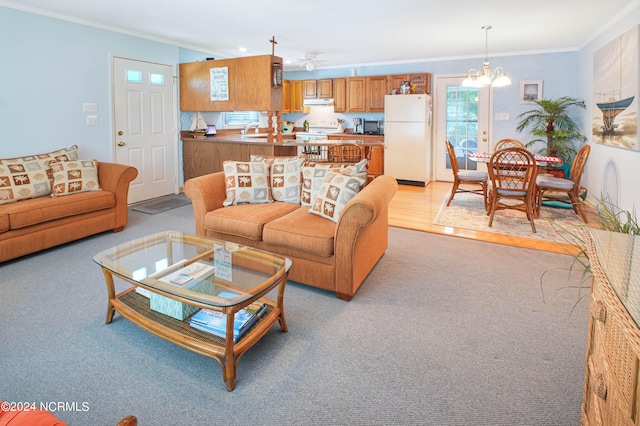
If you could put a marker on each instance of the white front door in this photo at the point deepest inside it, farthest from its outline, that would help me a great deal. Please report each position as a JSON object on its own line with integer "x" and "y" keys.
{"x": 145, "y": 126}
{"x": 462, "y": 118}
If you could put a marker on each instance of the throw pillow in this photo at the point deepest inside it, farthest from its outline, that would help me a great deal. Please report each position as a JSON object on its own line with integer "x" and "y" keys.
{"x": 285, "y": 177}
{"x": 70, "y": 177}
{"x": 29, "y": 177}
{"x": 313, "y": 175}
{"x": 336, "y": 191}
{"x": 247, "y": 182}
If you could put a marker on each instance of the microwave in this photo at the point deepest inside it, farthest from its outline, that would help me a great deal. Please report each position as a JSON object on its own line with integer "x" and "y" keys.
{"x": 373, "y": 127}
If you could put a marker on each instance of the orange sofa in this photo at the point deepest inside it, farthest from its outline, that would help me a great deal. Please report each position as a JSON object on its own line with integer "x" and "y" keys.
{"x": 332, "y": 256}
{"x": 34, "y": 224}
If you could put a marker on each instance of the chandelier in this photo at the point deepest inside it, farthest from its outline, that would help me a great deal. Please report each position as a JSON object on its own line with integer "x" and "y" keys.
{"x": 486, "y": 77}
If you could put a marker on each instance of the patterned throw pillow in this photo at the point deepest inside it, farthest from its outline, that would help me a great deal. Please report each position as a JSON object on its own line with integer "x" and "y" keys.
{"x": 336, "y": 191}
{"x": 247, "y": 182}
{"x": 285, "y": 177}
{"x": 29, "y": 177}
{"x": 313, "y": 175}
{"x": 70, "y": 177}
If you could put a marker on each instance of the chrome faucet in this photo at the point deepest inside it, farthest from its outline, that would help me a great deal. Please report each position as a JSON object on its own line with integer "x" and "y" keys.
{"x": 248, "y": 126}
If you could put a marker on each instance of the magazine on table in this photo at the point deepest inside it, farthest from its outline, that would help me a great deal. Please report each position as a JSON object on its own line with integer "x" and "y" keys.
{"x": 187, "y": 274}
{"x": 215, "y": 322}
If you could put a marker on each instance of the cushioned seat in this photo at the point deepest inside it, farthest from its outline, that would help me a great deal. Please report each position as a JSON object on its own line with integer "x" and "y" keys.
{"x": 303, "y": 232}
{"x": 4, "y": 222}
{"x": 44, "y": 209}
{"x": 552, "y": 182}
{"x": 246, "y": 220}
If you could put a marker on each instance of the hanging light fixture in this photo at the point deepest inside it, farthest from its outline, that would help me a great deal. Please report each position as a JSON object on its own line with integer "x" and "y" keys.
{"x": 486, "y": 77}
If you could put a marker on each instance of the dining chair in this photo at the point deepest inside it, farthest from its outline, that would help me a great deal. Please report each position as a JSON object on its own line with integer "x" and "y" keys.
{"x": 550, "y": 188}
{"x": 512, "y": 173}
{"x": 345, "y": 153}
{"x": 466, "y": 177}
{"x": 506, "y": 143}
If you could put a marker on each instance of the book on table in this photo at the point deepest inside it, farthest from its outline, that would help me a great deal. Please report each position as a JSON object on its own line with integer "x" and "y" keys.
{"x": 183, "y": 276}
{"x": 215, "y": 322}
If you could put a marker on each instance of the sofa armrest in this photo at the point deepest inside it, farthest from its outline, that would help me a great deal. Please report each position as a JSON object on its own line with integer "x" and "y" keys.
{"x": 206, "y": 193}
{"x": 116, "y": 178}
{"x": 362, "y": 234}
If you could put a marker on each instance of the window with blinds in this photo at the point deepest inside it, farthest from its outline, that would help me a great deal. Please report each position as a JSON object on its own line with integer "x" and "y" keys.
{"x": 240, "y": 118}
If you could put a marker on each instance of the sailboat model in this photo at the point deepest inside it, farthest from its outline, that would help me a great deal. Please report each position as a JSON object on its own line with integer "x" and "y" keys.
{"x": 198, "y": 124}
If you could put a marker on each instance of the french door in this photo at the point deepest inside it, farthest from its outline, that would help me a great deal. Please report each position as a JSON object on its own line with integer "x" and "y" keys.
{"x": 462, "y": 117}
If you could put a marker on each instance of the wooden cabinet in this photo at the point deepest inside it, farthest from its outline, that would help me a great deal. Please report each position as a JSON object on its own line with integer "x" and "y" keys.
{"x": 318, "y": 89}
{"x": 376, "y": 161}
{"x": 394, "y": 81}
{"x": 422, "y": 82}
{"x": 296, "y": 96}
{"x": 376, "y": 89}
{"x": 324, "y": 88}
{"x": 249, "y": 85}
{"x": 310, "y": 89}
{"x": 356, "y": 94}
{"x": 340, "y": 94}
{"x": 286, "y": 96}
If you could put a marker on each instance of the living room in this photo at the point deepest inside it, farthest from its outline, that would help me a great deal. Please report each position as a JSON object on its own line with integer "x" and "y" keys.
{"x": 63, "y": 64}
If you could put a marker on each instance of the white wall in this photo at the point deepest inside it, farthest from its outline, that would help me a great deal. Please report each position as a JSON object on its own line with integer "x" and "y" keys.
{"x": 612, "y": 173}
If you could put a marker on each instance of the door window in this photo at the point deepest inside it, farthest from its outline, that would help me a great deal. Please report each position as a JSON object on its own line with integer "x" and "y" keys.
{"x": 462, "y": 124}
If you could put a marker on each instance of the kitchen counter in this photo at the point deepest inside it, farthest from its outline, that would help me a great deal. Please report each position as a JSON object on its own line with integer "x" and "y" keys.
{"x": 207, "y": 155}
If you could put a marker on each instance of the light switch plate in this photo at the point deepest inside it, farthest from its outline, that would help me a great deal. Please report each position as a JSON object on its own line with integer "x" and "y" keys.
{"x": 89, "y": 107}
{"x": 92, "y": 120}
{"x": 502, "y": 116}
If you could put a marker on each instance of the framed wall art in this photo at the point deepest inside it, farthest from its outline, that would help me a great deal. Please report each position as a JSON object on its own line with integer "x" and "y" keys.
{"x": 615, "y": 92}
{"x": 530, "y": 90}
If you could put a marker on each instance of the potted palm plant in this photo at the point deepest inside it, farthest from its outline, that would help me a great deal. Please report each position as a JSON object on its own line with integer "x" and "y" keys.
{"x": 550, "y": 124}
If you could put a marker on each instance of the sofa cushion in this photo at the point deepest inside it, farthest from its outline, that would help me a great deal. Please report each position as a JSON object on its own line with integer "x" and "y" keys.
{"x": 313, "y": 175}
{"x": 70, "y": 177}
{"x": 336, "y": 191}
{"x": 28, "y": 177}
{"x": 39, "y": 210}
{"x": 285, "y": 177}
{"x": 246, "y": 182}
{"x": 246, "y": 220}
{"x": 301, "y": 231}
{"x": 4, "y": 222}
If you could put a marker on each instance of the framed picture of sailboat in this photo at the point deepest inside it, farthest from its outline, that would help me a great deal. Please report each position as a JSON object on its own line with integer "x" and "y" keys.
{"x": 615, "y": 86}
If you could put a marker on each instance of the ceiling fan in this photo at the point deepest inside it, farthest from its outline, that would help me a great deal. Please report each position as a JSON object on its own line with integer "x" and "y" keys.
{"x": 309, "y": 62}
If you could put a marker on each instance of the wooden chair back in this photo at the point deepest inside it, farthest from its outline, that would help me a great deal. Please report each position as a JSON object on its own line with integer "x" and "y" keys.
{"x": 452, "y": 158}
{"x": 506, "y": 143}
{"x": 345, "y": 153}
{"x": 512, "y": 169}
{"x": 577, "y": 168}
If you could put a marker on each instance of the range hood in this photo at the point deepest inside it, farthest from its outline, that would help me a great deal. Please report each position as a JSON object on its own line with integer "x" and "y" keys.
{"x": 317, "y": 102}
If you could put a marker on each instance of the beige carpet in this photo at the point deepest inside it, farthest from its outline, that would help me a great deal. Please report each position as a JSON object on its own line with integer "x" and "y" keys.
{"x": 467, "y": 211}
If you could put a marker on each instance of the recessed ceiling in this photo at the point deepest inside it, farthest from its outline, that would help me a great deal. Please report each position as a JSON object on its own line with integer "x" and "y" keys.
{"x": 348, "y": 33}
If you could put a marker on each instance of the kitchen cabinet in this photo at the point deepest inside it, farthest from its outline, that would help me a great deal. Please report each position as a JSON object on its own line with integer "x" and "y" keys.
{"x": 286, "y": 96}
{"x": 324, "y": 88}
{"x": 250, "y": 85}
{"x": 422, "y": 82}
{"x": 340, "y": 94}
{"x": 296, "y": 96}
{"x": 356, "y": 94}
{"x": 318, "y": 89}
{"x": 310, "y": 89}
{"x": 395, "y": 81}
{"x": 376, "y": 89}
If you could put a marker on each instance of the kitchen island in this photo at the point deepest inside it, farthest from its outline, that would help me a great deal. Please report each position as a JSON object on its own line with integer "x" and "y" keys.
{"x": 204, "y": 156}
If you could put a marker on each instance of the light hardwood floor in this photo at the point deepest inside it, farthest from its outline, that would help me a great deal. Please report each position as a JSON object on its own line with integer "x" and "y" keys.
{"x": 416, "y": 207}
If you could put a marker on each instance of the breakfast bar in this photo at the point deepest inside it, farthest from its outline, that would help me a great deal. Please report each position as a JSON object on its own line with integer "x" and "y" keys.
{"x": 206, "y": 155}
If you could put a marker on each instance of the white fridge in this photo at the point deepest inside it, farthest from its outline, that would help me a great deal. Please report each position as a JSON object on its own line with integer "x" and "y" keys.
{"x": 407, "y": 138}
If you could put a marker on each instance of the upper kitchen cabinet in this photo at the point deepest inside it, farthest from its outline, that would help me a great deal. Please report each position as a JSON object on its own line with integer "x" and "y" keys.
{"x": 286, "y": 96}
{"x": 421, "y": 81}
{"x": 239, "y": 84}
{"x": 318, "y": 89}
{"x": 340, "y": 94}
{"x": 356, "y": 94}
{"x": 296, "y": 96}
{"x": 196, "y": 90}
{"x": 376, "y": 89}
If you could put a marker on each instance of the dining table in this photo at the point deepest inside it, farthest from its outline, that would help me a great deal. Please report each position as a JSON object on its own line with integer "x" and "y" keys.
{"x": 541, "y": 160}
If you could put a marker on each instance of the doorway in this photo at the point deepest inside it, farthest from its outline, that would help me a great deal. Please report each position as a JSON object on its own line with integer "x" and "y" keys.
{"x": 462, "y": 118}
{"x": 145, "y": 126}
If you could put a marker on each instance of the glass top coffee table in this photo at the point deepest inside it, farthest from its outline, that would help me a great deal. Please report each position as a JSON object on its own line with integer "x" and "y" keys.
{"x": 174, "y": 275}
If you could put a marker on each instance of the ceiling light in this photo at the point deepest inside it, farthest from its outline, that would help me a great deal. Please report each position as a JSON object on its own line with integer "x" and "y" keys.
{"x": 310, "y": 66}
{"x": 486, "y": 77}
{"x": 242, "y": 49}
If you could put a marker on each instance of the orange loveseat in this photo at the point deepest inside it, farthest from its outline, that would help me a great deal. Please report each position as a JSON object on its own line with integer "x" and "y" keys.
{"x": 30, "y": 225}
{"x": 332, "y": 256}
